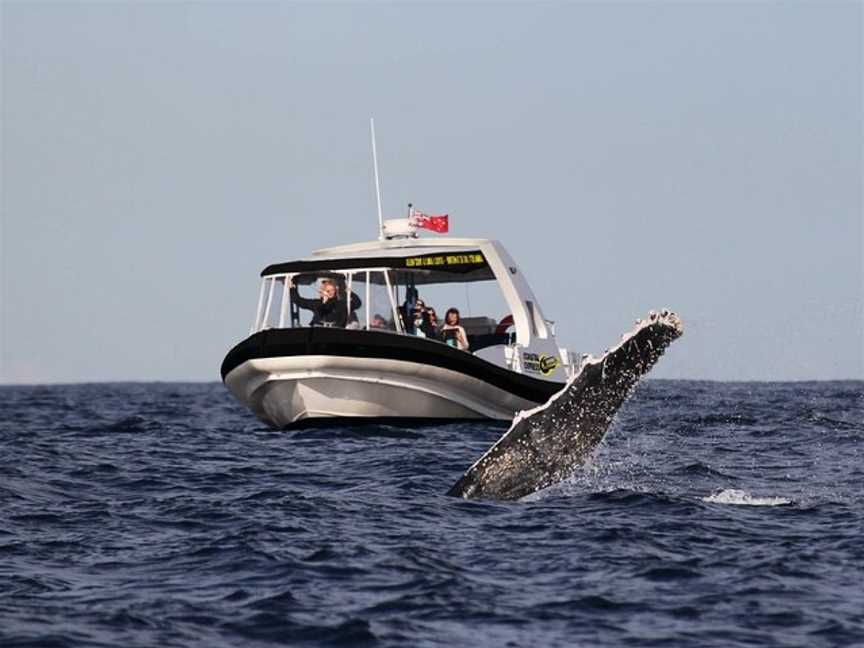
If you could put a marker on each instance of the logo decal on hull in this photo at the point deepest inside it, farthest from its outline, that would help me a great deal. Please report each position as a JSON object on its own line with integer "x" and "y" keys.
{"x": 542, "y": 363}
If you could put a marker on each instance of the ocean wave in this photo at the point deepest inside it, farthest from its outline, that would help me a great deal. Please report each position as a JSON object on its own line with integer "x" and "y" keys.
{"x": 129, "y": 521}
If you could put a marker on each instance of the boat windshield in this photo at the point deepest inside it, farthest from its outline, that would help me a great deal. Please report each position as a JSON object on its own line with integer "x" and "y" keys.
{"x": 410, "y": 302}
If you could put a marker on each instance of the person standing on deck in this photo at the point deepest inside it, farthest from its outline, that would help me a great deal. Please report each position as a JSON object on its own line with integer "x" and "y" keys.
{"x": 330, "y": 309}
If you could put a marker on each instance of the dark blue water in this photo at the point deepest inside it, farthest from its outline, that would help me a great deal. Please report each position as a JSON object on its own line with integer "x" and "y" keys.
{"x": 165, "y": 515}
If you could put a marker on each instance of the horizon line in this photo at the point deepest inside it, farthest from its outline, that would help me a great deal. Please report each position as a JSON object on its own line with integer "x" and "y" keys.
{"x": 207, "y": 382}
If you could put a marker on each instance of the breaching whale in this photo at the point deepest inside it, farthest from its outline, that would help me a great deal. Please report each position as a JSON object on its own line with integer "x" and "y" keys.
{"x": 545, "y": 445}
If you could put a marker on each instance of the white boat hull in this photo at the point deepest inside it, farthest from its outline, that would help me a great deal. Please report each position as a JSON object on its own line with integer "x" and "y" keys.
{"x": 286, "y": 390}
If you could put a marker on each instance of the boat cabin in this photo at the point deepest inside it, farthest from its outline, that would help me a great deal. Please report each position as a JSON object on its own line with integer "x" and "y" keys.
{"x": 406, "y": 286}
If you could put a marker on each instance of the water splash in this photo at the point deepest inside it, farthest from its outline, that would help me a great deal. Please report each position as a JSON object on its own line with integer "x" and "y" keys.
{"x": 743, "y": 498}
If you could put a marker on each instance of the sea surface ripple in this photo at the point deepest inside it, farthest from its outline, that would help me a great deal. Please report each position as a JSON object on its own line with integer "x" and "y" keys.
{"x": 714, "y": 514}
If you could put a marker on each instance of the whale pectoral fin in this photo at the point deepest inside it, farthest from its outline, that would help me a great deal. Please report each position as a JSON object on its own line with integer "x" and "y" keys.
{"x": 546, "y": 445}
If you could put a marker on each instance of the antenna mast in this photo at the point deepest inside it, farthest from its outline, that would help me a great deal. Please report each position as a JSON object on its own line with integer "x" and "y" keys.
{"x": 377, "y": 184}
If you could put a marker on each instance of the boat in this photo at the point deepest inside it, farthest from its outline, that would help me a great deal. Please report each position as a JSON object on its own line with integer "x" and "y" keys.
{"x": 372, "y": 361}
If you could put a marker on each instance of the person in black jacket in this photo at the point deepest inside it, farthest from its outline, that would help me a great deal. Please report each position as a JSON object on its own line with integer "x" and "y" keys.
{"x": 421, "y": 323}
{"x": 330, "y": 309}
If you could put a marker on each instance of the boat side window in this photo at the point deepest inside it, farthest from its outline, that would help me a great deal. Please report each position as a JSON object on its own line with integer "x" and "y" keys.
{"x": 358, "y": 283}
{"x": 271, "y": 303}
{"x": 479, "y": 301}
{"x": 324, "y": 299}
{"x": 303, "y": 290}
{"x": 376, "y": 311}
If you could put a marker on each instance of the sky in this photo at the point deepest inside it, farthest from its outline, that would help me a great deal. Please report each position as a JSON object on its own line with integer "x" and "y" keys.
{"x": 154, "y": 157}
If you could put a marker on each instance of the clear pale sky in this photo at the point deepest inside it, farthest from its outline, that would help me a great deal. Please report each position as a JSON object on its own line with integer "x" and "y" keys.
{"x": 706, "y": 157}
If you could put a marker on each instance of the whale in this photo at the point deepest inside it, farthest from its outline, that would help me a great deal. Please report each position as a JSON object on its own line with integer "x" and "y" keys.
{"x": 549, "y": 443}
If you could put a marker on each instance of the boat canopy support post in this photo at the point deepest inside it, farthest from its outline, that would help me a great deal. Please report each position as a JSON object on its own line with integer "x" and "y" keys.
{"x": 349, "y": 277}
{"x": 294, "y": 308}
{"x": 284, "y": 306}
{"x": 397, "y": 320}
{"x": 367, "y": 296}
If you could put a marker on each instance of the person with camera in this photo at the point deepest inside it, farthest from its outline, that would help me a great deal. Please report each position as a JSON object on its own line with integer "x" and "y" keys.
{"x": 421, "y": 324}
{"x": 331, "y": 308}
{"x": 452, "y": 332}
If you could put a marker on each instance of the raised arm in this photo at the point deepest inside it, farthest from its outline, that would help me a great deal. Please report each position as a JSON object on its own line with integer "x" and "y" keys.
{"x": 302, "y": 302}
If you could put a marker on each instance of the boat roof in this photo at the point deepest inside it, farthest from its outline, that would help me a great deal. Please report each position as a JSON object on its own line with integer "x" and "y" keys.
{"x": 435, "y": 260}
{"x": 401, "y": 246}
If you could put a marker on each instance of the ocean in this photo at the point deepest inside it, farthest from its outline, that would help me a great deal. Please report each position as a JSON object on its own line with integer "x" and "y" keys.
{"x": 714, "y": 514}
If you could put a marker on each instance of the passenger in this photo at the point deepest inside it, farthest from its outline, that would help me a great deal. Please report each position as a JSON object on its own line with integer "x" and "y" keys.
{"x": 406, "y": 311}
{"x": 433, "y": 323}
{"x": 330, "y": 309}
{"x": 420, "y": 323}
{"x": 452, "y": 332}
{"x": 379, "y": 322}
